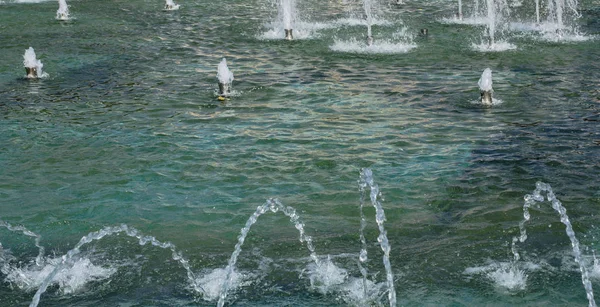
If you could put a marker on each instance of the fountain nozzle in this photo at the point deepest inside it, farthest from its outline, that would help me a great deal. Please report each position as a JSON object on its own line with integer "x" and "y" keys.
{"x": 288, "y": 34}
{"x": 31, "y": 72}
{"x": 486, "y": 97}
{"x": 224, "y": 90}
{"x": 424, "y": 32}
{"x": 369, "y": 40}
{"x": 459, "y": 16}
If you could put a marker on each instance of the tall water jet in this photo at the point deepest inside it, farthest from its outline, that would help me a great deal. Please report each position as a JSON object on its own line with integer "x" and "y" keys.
{"x": 274, "y": 205}
{"x": 459, "y": 15}
{"x": 225, "y": 77}
{"x": 491, "y": 22}
{"x": 287, "y": 8}
{"x": 537, "y": 11}
{"x": 530, "y": 200}
{"x": 366, "y": 179}
{"x": 485, "y": 87}
{"x": 63, "y": 10}
{"x": 171, "y": 6}
{"x": 97, "y": 235}
{"x": 33, "y": 66}
{"x": 369, "y": 16}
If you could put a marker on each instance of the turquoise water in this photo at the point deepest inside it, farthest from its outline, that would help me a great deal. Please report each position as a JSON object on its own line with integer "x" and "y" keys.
{"x": 127, "y": 130}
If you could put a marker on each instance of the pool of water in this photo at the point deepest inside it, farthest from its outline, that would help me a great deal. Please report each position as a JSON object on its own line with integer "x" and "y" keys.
{"x": 127, "y": 129}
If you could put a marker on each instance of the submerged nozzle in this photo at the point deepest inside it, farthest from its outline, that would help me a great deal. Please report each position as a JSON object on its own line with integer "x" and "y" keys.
{"x": 31, "y": 72}
{"x": 486, "y": 97}
{"x": 288, "y": 34}
{"x": 424, "y": 32}
{"x": 369, "y": 40}
{"x": 224, "y": 90}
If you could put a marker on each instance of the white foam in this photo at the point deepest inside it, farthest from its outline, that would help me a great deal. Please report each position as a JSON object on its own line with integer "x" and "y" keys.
{"x": 475, "y": 20}
{"x": 354, "y": 292}
{"x": 495, "y": 102}
{"x": 383, "y": 46}
{"x": 495, "y": 47}
{"x": 326, "y": 276}
{"x": 361, "y": 22}
{"x": 69, "y": 279}
{"x": 209, "y": 285}
{"x": 505, "y": 275}
{"x": 301, "y": 30}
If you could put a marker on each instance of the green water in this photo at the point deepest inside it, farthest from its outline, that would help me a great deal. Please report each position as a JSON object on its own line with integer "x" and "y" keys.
{"x": 127, "y": 130}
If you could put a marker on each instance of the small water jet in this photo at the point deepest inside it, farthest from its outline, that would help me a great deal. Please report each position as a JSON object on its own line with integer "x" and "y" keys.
{"x": 366, "y": 179}
{"x": 485, "y": 87}
{"x": 225, "y": 77}
{"x": 33, "y": 66}
{"x": 170, "y": 5}
{"x": 274, "y": 205}
{"x": 63, "y": 10}
{"x": 40, "y": 257}
{"x": 530, "y": 200}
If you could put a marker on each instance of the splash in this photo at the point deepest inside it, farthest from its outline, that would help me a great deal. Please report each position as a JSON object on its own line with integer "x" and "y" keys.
{"x": 379, "y": 47}
{"x": 505, "y": 275}
{"x": 33, "y": 66}
{"x": 69, "y": 279}
{"x": 170, "y": 5}
{"x": 66, "y": 260}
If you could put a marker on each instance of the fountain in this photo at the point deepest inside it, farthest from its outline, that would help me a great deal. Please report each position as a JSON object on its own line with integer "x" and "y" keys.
{"x": 497, "y": 10}
{"x": 485, "y": 87}
{"x": 63, "y": 10}
{"x": 561, "y": 18}
{"x": 33, "y": 66}
{"x": 530, "y": 200}
{"x": 225, "y": 77}
{"x": 171, "y": 6}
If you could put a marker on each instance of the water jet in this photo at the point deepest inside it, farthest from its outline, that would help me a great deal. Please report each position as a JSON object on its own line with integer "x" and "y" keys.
{"x": 33, "y": 66}
{"x": 171, "y": 6}
{"x": 485, "y": 87}
{"x": 225, "y": 77}
{"x": 63, "y": 10}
